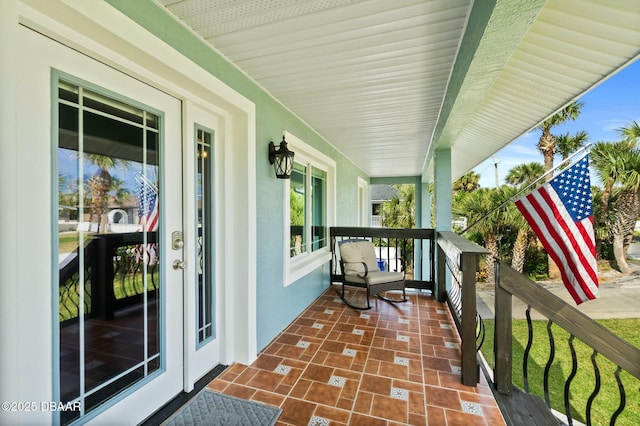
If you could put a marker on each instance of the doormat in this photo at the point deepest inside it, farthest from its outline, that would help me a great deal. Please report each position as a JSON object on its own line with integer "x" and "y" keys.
{"x": 214, "y": 409}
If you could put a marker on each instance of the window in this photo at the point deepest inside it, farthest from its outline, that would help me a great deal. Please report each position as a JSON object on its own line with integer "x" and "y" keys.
{"x": 309, "y": 210}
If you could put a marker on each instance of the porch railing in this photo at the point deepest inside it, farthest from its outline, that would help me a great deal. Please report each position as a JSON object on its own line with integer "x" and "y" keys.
{"x": 602, "y": 342}
{"x": 460, "y": 258}
{"x": 411, "y": 249}
{"x": 113, "y": 277}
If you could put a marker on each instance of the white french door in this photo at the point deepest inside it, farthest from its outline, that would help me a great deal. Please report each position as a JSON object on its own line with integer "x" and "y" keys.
{"x": 117, "y": 274}
{"x": 202, "y": 217}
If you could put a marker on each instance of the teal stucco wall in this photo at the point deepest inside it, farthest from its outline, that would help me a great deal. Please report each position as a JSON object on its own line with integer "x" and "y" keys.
{"x": 277, "y": 305}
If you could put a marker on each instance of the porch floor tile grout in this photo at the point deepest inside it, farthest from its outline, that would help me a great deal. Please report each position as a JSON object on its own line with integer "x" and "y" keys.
{"x": 310, "y": 397}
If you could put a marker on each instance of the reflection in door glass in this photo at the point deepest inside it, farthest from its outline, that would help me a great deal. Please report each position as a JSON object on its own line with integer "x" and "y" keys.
{"x": 109, "y": 280}
{"x": 204, "y": 188}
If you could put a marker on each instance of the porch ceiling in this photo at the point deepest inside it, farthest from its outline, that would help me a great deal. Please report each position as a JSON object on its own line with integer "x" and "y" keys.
{"x": 387, "y": 82}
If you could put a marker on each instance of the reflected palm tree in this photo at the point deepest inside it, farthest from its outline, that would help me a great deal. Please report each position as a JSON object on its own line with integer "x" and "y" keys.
{"x": 100, "y": 185}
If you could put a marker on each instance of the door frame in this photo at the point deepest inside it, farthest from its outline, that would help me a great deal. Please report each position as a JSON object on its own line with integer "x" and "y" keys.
{"x": 82, "y": 26}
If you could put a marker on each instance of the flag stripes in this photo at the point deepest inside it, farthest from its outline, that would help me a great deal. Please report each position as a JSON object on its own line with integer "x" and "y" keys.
{"x": 560, "y": 214}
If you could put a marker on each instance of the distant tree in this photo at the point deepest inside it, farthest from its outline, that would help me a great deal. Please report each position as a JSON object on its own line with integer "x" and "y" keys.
{"x": 101, "y": 184}
{"x": 611, "y": 168}
{"x": 627, "y": 209}
{"x": 468, "y": 182}
{"x": 515, "y": 221}
{"x": 547, "y": 146}
{"x": 479, "y": 207}
{"x": 547, "y": 141}
{"x": 399, "y": 212}
{"x": 524, "y": 174}
{"x": 630, "y": 132}
{"x": 567, "y": 144}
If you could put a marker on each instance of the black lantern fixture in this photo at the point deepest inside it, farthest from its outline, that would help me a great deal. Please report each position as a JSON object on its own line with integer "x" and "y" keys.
{"x": 282, "y": 159}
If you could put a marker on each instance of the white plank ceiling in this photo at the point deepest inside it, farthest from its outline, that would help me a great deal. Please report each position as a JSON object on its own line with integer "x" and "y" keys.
{"x": 371, "y": 76}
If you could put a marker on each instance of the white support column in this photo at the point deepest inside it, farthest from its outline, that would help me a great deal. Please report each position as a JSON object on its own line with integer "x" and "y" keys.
{"x": 9, "y": 333}
{"x": 443, "y": 185}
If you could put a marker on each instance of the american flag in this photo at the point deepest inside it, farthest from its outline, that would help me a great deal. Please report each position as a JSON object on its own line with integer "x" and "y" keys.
{"x": 560, "y": 213}
{"x": 147, "y": 205}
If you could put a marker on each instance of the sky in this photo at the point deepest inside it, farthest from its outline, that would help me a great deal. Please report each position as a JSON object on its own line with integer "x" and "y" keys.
{"x": 607, "y": 107}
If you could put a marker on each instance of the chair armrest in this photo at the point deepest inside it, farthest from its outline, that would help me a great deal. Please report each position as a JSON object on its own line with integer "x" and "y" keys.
{"x": 366, "y": 268}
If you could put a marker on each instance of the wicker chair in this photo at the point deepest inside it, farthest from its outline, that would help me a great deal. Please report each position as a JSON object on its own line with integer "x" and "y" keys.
{"x": 359, "y": 268}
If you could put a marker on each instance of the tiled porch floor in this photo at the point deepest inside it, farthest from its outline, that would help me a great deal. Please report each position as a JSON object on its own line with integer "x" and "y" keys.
{"x": 391, "y": 365}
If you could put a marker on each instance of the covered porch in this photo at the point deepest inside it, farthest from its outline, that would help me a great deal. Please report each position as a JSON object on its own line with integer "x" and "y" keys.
{"x": 396, "y": 364}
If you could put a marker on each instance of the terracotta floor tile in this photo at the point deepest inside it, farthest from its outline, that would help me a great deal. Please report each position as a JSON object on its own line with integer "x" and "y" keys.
{"x": 435, "y": 415}
{"x": 385, "y": 366}
{"x": 268, "y": 398}
{"x": 333, "y": 414}
{"x": 361, "y": 420}
{"x": 323, "y": 394}
{"x": 394, "y": 370}
{"x": 267, "y": 362}
{"x": 297, "y": 412}
{"x": 265, "y": 380}
{"x": 376, "y": 384}
{"x": 459, "y": 418}
{"x": 442, "y": 397}
{"x": 240, "y": 391}
{"x": 417, "y": 420}
{"x": 389, "y": 408}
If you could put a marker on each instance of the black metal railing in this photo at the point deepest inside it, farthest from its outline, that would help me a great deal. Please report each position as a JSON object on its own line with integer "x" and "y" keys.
{"x": 458, "y": 260}
{"x": 410, "y": 250}
{"x": 113, "y": 276}
{"x": 601, "y": 342}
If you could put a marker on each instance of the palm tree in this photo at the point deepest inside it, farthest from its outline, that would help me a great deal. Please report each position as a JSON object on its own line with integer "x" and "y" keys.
{"x": 525, "y": 174}
{"x": 468, "y": 182}
{"x": 603, "y": 219}
{"x": 547, "y": 146}
{"x": 609, "y": 164}
{"x": 100, "y": 185}
{"x": 547, "y": 141}
{"x": 567, "y": 144}
{"x": 479, "y": 207}
{"x": 630, "y": 132}
{"x": 513, "y": 219}
{"x": 399, "y": 212}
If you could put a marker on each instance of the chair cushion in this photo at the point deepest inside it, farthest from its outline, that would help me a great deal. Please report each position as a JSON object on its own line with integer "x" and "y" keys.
{"x": 376, "y": 277}
{"x": 354, "y": 253}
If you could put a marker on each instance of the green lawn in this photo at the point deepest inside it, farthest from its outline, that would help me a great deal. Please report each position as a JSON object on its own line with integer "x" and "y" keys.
{"x": 67, "y": 242}
{"x": 583, "y": 384}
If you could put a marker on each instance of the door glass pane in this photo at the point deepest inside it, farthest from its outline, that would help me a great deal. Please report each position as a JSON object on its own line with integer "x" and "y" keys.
{"x": 204, "y": 208}
{"x": 109, "y": 280}
{"x": 297, "y": 209}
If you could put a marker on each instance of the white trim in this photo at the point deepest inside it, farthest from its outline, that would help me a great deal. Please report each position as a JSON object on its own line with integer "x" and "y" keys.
{"x": 364, "y": 206}
{"x": 298, "y": 267}
{"x": 101, "y": 32}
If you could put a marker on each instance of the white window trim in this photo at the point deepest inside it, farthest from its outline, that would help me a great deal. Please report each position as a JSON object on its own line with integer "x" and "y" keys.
{"x": 364, "y": 204}
{"x": 299, "y": 266}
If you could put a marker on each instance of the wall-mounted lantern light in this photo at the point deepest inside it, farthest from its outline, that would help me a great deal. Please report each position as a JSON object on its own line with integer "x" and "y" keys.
{"x": 282, "y": 159}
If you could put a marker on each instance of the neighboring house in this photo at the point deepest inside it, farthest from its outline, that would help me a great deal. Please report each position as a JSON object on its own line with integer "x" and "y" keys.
{"x": 190, "y": 96}
{"x": 379, "y": 194}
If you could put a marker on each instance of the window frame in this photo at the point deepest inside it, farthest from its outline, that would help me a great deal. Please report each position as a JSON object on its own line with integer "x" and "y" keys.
{"x": 304, "y": 263}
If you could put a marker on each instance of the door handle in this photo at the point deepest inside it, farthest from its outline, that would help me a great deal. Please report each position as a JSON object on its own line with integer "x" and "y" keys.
{"x": 178, "y": 264}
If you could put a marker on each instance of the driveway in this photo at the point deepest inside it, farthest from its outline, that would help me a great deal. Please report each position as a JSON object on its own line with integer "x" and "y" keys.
{"x": 619, "y": 298}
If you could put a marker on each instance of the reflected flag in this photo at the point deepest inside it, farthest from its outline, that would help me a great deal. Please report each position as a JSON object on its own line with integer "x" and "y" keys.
{"x": 147, "y": 206}
{"x": 560, "y": 213}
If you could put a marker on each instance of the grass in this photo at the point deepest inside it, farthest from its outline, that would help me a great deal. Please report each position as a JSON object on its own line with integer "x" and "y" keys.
{"x": 608, "y": 399}
{"x": 67, "y": 242}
